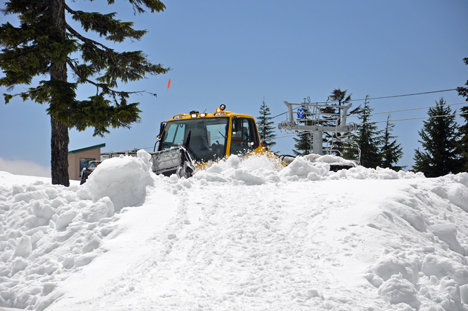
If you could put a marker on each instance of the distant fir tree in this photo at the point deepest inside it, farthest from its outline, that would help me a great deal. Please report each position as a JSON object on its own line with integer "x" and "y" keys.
{"x": 391, "y": 151}
{"x": 45, "y": 44}
{"x": 439, "y": 138}
{"x": 265, "y": 126}
{"x": 463, "y": 91}
{"x": 464, "y": 139}
{"x": 369, "y": 138}
{"x": 341, "y": 98}
{"x": 304, "y": 144}
{"x": 304, "y": 140}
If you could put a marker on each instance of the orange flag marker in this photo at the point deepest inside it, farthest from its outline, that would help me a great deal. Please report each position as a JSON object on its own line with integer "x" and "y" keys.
{"x": 169, "y": 84}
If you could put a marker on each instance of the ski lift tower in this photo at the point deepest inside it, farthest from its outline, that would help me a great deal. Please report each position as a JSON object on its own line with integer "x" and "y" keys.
{"x": 315, "y": 123}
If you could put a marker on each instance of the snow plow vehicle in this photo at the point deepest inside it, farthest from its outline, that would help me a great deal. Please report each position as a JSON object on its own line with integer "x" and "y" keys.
{"x": 194, "y": 140}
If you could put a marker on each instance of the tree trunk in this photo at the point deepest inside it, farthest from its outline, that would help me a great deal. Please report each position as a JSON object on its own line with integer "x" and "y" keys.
{"x": 59, "y": 148}
{"x": 59, "y": 139}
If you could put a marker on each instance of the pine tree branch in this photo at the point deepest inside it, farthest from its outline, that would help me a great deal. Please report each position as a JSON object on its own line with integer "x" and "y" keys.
{"x": 128, "y": 66}
{"x": 81, "y": 76}
{"x": 153, "y": 5}
{"x": 23, "y": 95}
{"x": 106, "y": 25}
{"x": 103, "y": 86}
{"x": 87, "y": 40}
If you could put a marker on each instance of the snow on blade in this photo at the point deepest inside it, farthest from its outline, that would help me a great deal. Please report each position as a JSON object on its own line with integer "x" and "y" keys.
{"x": 240, "y": 235}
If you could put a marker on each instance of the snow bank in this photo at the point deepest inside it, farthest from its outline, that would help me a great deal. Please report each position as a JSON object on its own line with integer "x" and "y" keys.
{"x": 241, "y": 235}
{"x": 399, "y": 290}
{"x": 123, "y": 180}
{"x": 252, "y": 170}
{"x": 425, "y": 266}
{"x": 302, "y": 168}
{"x": 259, "y": 169}
{"x": 49, "y": 232}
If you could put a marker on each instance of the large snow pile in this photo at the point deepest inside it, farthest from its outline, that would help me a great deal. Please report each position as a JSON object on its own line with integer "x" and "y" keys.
{"x": 123, "y": 180}
{"x": 238, "y": 236}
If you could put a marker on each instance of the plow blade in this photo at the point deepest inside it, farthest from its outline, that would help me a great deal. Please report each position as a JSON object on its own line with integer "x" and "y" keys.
{"x": 173, "y": 161}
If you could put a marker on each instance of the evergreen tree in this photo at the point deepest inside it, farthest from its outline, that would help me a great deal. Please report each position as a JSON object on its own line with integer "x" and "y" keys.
{"x": 339, "y": 96}
{"x": 464, "y": 139}
{"x": 303, "y": 142}
{"x": 391, "y": 151}
{"x": 45, "y": 44}
{"x": 266, "y": 130}
{"x": 439, "y": 139}
{"x": 368, "y": 138}
{"x": 463, "y": 91}
{"x": 341, "y": 99}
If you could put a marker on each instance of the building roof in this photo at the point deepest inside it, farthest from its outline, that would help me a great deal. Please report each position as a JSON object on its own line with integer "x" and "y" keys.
{"x": 87, "y": 148}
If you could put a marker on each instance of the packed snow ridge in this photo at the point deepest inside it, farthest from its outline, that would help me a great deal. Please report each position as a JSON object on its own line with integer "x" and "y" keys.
{"x": 240, "y": 235}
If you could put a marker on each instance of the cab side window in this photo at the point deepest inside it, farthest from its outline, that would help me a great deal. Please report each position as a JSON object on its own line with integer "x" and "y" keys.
{"x": 244, "y": 138}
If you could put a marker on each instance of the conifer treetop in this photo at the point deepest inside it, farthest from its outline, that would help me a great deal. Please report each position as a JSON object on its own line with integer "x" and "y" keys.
{"x": 463, "y": 91}
{"x": 440, "y": 154}
{"x": 265, "y": 126}
{"x": 42, "y": 43}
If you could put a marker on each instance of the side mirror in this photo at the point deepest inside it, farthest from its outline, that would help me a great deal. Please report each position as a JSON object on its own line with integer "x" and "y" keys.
{"x": 162, "y": 126}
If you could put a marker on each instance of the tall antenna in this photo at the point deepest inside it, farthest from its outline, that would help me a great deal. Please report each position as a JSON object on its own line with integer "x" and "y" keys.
{"x": 165, "y": 100}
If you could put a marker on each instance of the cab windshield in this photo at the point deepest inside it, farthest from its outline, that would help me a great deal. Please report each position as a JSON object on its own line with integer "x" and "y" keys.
{"x": 204, "y": 139}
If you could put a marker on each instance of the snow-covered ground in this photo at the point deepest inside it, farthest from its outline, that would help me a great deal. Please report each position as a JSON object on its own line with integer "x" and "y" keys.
{"x": 238, "y": 236}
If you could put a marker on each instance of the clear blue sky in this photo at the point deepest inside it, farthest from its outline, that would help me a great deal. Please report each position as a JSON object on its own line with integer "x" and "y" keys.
{"x": 239, "y": 52}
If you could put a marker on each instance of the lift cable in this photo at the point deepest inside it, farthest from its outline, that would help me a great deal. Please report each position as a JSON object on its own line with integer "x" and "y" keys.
{"x": 382, "y": 97}
{"x": 370, "y": 114}
{"x": 408, "y": 119}
{"x": 393, "y": 96}
{"x": 418, "y": 118}
{"x": 279, "y": 115}
{"x": 388, "y": 112}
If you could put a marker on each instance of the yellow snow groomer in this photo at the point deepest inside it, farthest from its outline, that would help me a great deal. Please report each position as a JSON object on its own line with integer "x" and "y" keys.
{"x": 196, "y": 139}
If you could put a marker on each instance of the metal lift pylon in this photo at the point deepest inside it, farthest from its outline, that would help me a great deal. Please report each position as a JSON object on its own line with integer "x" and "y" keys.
{"x": 316, "y": 126}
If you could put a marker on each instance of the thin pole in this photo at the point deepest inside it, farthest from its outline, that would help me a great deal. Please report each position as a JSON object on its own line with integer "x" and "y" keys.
{"x": 165, "y": 100}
